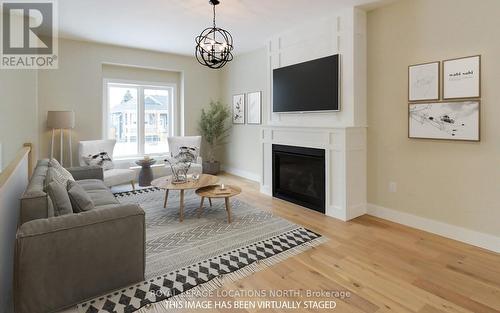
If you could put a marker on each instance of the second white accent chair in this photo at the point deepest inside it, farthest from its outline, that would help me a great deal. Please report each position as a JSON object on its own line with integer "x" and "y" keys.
{"x": 174, "y": 143}
{"x": 112, "y": 177}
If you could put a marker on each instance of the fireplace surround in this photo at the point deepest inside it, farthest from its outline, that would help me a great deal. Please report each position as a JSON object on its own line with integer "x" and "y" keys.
{"x": 345, "y": 164}
{"x": 342, "y": 135}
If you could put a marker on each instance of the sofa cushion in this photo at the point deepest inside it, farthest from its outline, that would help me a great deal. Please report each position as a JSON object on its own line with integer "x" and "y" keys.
{"x": 102, "y": 197}
{"x": 60, "y": 199}
{"x": 92, "y": 184}
{"x": 118, "y": 176}
{"x": 98, "y": 192}
{"x": 86, "y": 172}
{"x": 58, "y": 173}
{"x": 80, "y": 200}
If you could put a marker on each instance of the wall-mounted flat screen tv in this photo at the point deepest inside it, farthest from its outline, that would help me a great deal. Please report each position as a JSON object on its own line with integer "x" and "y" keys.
{"x": 307, "y": 87}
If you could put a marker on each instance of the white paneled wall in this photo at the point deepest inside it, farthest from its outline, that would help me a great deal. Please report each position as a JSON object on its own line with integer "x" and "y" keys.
{"x": 341, "y": 134}
{"x": 344, "y": 33}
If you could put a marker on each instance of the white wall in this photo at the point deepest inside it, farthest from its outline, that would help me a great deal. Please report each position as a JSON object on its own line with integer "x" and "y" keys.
{"x": 77, "y": 85}
{"x": 10, "y": 193}
{"x": 246, "y": 73}
{"x": 18, "y": 112}
{"x": 442, "y": 181}
{"x": 343, "y": 32}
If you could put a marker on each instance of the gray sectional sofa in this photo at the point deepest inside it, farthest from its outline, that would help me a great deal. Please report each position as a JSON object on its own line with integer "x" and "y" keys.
{"x": 63, "y": 260}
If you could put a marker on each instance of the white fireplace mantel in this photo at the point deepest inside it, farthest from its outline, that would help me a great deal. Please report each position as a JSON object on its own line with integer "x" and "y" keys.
{"x": 345, "y": 164}
{"x": 341, "y": 134}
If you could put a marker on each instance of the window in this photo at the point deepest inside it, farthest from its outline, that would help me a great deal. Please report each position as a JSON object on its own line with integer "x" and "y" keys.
{"x": 139, "y": 117}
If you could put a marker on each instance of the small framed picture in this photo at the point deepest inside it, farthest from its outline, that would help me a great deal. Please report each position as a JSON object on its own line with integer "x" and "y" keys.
{"x": 254, "y": 107}
{"x": 453, "y": 120}
{"x": 239, "y": 109}
{"x": 462, "y": 78}
{"x": 423, "y": 82}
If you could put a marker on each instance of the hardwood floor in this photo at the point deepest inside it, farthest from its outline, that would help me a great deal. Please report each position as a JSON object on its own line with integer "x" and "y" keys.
{"x": 386, "y": 267}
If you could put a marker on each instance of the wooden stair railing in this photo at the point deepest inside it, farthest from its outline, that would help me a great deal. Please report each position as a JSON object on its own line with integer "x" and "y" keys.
{"x": 21, "y": 154}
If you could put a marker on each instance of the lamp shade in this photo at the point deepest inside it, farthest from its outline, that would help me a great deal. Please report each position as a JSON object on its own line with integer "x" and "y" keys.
{"x": 61, "y": 119}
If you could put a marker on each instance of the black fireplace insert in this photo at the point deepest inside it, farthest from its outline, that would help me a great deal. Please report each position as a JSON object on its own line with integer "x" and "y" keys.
{"x": 299, "y": 176}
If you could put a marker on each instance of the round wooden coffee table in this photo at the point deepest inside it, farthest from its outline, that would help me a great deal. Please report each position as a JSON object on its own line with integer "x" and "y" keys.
{"x": 216, "y": 192}
{"x": 166, "y": 183}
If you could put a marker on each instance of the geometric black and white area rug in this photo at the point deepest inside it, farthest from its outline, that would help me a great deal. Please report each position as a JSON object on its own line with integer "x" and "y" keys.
{"x": 201, "y": 252}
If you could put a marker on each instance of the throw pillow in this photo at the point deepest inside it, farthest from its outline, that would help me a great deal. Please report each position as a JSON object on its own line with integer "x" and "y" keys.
{"x": 101, "y": 159}
{"x": 60, "y": 199}
{"x": 58, "y": 173}
{"x": 80, "y": 200}
{"x": 186, "y": 154}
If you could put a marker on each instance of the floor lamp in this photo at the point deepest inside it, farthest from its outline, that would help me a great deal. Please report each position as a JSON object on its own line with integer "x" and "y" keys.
{"x": 61, "y": 120}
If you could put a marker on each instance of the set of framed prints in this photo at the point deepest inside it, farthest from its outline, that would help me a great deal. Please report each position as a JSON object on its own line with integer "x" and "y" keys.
{"x": 247, "y": 109}
{"x": 444, "y": 99}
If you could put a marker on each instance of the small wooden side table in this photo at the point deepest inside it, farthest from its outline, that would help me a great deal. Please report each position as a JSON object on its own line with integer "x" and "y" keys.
{"x": 213, "y": 192}
{"x": 146, "y": 173}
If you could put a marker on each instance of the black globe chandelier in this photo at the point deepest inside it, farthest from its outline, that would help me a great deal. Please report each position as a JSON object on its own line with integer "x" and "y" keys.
{"x": 214, "y": 45}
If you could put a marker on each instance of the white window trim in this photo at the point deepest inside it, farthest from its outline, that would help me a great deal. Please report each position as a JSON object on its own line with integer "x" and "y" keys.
{"x": 141, "y": 85}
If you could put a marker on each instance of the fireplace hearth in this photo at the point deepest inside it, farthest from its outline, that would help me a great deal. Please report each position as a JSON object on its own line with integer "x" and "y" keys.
{"x": 299, "y": 175}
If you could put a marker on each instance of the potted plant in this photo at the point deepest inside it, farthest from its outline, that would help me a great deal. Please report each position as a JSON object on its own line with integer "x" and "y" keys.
{"x": 213, "y": 127}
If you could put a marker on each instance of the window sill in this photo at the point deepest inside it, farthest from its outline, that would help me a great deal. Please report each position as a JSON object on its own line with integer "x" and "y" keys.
{"x": 140, "y": 157}
{"x": 127, "y": 162}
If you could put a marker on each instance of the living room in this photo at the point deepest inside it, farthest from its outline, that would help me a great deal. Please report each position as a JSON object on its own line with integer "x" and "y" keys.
{"x": 312, "y": 156}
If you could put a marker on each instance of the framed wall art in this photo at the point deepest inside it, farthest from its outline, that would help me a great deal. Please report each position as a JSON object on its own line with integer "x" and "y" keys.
{"x": 462, "y": 78}
{"x": 254, "y": 107}
{"x": 453, "y": 120}
{"x": 239, "y": 109}
{"x": 423, "y": 82}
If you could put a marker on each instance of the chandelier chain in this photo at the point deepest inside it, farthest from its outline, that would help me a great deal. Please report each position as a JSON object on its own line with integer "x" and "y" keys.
{"x": 214, "y": 15}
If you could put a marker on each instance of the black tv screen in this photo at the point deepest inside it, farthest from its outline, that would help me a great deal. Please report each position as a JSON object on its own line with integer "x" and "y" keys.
{"x": 308, "y": 86}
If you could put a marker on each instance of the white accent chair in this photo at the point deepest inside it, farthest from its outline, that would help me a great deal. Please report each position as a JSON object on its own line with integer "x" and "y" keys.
{"x": 112, "y": 177}
{"x": 174, "y": 143}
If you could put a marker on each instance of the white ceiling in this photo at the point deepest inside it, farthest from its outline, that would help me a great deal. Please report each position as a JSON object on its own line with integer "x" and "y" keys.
{"x": 172, "y": 25}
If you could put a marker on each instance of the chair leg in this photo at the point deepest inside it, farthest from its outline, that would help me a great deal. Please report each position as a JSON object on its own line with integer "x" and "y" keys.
{"x": 181, "y": 206}
{"x": 228, "y": 209}
{"x": 210, "y": 201}
{"x": 133, "y": 185}
{"x": 166, "y": 198}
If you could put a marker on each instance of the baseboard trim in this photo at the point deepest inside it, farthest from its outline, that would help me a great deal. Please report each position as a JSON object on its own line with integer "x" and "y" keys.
{"x": 458, "y": 233}
{"x": 241, "y": 173}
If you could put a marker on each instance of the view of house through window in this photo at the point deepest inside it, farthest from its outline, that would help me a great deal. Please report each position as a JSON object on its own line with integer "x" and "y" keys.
{"x": 140, "y": 118}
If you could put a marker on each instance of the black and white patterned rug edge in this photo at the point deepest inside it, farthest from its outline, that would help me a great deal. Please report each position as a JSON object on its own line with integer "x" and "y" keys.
{"x": 206, "y": 275}
{"x": 134, "y": 192}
